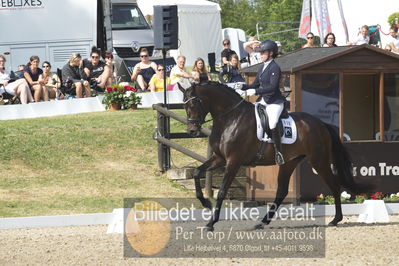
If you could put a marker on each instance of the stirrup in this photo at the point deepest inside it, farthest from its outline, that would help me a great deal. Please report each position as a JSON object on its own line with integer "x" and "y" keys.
{"x": 279, "y": 158}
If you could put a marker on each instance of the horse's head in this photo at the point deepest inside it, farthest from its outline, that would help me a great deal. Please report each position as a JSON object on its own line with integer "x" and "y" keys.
{"x": 196, "y": 110}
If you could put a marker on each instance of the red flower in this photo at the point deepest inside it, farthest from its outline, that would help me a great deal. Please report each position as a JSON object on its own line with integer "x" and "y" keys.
{"x": 109, "y": 89}
{"x": 121, "y": 90}
{"x": 134, "y": 89}
{"x": 115, "y": 89}
{"x": 377, "y": 196}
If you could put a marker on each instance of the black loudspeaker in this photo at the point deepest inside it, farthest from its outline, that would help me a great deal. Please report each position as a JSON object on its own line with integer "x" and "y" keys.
{"x": 211, "y": 62}
{"x": 166, "y": 27}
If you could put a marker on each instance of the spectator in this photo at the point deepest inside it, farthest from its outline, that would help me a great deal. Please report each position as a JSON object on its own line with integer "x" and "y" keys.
{"x": 51, "y": 82}
{"x": 96, "y": 70}
{"x": 310, "y": 40}
{"x": 73, "y": 72}
{"x": 31, "y": 74}
{"x": 227, "y": 52}
{"x": 199, "y": 72}
{"x": 179, "y": 73}
{"x": 21, "y": 67}
{"x": 235, "y": 66}
{"x": 362, "y": 38}
{"x": 329, "y": 40}
{"x": 252, "y": 48}
{"x": 156, "y": 82}
{"x": 18, "y": 87}
{"x": 393, "y": 43}
{"x": 144, "y": 70}
{"x": 109, "y": 59}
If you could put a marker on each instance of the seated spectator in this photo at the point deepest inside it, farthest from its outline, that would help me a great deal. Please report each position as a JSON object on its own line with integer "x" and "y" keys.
{"x": 393, "y": 43}
{"x": 144, "y": 70}
{"x": 156, "y": 82}
{"x": 227, "y": 52}
{"x": 73, "y": 72}
{"x": 179, "y": 73}
{"x": 199, "y": 72}
{"x": 329, "y": 40}
{"x": 31, "y": 74}
{"x": 235, "y": 66}
{"x": 51, "y": 82}
{"x": 362, "y": 38}
{"x": 18, "y": 87}
{"x": 109, "y": 67}
{"x": 252, "y": 47}
{"x": 310, "y": 40}
{"x": 96, "y": 70}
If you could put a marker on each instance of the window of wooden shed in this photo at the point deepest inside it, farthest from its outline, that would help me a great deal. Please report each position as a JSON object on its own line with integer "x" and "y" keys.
{"x": 391, "y": 107}
{"x": 320, "y": 97}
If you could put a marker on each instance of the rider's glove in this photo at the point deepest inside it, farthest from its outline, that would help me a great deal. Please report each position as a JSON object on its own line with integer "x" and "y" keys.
{"x": 238, "y": 86}
{"x": 251, "y": 92}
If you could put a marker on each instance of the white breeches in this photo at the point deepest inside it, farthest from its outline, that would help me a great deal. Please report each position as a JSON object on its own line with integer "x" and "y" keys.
{"x": 273, "y": 112}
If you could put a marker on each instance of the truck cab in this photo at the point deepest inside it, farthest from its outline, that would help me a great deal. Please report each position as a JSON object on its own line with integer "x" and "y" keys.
{"x": 130, "y": 30}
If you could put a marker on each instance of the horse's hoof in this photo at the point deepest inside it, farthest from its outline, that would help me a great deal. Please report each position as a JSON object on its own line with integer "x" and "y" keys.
{"x": 332, "y": 223}
{"x": 259, "y": 226}
{"x": 209, "y": 228}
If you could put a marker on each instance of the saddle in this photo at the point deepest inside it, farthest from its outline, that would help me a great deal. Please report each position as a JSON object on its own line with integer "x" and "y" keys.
{"x": 264, "y": 120}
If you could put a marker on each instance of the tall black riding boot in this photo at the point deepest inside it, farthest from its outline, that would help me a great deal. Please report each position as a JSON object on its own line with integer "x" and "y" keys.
{"x": 277, "y": 146}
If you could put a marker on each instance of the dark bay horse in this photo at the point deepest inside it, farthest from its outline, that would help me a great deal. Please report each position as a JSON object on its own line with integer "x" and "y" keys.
{"x": 234, "y": 144}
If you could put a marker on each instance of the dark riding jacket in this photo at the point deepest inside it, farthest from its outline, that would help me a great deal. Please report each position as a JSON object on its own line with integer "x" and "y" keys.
{"x": 266, "y": 84}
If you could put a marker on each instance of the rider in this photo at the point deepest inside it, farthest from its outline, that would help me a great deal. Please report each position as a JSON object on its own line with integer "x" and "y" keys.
{"x": 266, "y": 85}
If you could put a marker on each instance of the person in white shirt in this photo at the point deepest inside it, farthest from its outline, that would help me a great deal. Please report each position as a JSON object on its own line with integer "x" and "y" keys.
{"x": 252, "y": 48}
{"x": 19, "y": 87}
{"x": 393, "y": 43}
{"x": 362, "y": 38}
{"x": 179, "y": 72}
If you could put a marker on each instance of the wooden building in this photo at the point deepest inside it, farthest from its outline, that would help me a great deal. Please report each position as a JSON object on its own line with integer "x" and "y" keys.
{"x": 355, "y": 89}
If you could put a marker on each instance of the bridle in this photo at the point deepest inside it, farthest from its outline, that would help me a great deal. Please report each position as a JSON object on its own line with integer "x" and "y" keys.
{"x": 199, "y": 121}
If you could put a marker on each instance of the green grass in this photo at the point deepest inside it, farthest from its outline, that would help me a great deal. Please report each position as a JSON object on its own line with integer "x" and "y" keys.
{"x": 84, "y": 163}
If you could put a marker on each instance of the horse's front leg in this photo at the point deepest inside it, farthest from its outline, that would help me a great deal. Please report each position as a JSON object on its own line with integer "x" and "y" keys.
{"x": 229, "y": 174}
{"x": 212, "y": 163}
{"x": 284, "y": 175}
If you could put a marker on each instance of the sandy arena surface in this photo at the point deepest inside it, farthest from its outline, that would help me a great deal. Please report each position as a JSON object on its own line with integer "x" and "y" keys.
{"x": 350, "y": 243}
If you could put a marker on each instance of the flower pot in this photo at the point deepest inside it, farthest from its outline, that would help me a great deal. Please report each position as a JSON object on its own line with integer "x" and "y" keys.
{"x": 133, "y": 107}
{"x": 114, "y": 106}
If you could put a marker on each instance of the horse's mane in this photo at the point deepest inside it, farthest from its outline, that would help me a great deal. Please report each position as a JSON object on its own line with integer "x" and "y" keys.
{"x": 223, "y": 87}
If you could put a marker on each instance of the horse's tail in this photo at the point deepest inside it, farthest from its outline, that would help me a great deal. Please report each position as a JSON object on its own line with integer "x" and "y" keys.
{"x": 343, "y": 165}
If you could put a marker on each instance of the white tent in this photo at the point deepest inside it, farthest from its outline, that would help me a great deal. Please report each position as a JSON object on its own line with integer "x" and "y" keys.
{"x": 199, "y": 27}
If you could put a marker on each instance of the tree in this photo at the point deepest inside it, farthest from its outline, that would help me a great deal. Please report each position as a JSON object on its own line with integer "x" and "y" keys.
{"x": 245, "y": 15}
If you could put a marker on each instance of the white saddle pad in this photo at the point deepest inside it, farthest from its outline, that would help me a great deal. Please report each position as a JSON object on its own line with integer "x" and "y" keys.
{"x": 290, "y": 132}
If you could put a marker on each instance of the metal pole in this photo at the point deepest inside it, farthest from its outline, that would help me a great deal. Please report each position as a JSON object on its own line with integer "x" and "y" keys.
{"x": 166, "y": 120}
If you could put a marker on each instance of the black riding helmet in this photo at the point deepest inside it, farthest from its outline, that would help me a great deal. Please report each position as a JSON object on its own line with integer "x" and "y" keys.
{"x": 269, "y": 45}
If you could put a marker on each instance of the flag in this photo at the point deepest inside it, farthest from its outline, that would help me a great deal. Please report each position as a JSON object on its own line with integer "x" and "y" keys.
{"x": 341, "y": 12}
{"x": 304, "y": 27}
{"x": 322, "y": 18}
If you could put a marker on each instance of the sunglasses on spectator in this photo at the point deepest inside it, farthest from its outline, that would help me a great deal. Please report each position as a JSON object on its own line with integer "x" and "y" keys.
{"x": 46, "y": 66}
{"x": 226, "y": 43}
{"x": 310, "y": 38}
{"x": 161, "y": 69}
{"x": 143, "y": 55}
{"x": 109, "y": 57}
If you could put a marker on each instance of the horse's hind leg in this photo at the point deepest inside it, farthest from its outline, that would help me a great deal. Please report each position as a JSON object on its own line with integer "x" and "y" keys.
{"x": 212, "y": 163}
{"x": 283, "y": 180}
{"x": 323, "y": 169}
